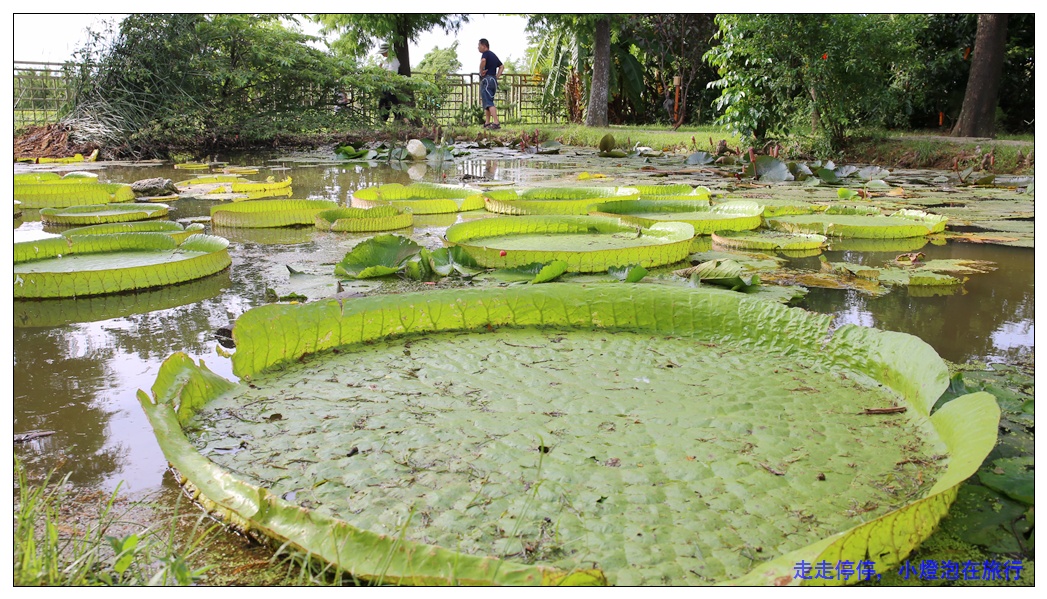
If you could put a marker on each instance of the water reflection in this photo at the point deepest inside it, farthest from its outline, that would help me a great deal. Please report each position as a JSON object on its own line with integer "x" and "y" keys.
{"x": 991, "y": 319}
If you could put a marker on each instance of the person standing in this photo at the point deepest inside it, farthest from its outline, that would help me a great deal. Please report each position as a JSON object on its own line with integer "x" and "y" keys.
{"x": 388, "y": 101}
{"x": 490, "y": 71}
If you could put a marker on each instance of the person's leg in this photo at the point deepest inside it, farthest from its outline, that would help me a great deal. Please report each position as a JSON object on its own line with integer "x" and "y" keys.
{"x": 487, "y": 98}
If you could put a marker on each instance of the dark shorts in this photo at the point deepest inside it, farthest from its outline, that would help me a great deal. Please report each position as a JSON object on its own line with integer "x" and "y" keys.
{"x": 488, "y": 86}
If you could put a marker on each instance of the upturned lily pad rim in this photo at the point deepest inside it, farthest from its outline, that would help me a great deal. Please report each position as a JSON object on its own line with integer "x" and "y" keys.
{"x": 967, "y": 425}
{"x": 213, "y": 257}
{"x": 673, "y": 246}
{"x": 95, "y": 213}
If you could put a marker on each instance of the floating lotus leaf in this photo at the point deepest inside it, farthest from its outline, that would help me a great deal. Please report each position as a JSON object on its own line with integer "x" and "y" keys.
{"x": 102, "y": 213}
{"x": 264, "y": 214}
{"x": 421, "y": 198}
{"x": 585, "y": 243}
{"x": 173, "y": 229}
{"x": 553, "y": 200}
{"x": 768, "y": 240}
{"x": 919, "y": 274}
{"x": 377, "y": 257}
{"x": 59, "y": 312}
{"x": 729, "y": 216}
{"x": 71, "y": 192}
{"x": 83, "y": 265}
{"x": 192, "y": 166}
{"x": 360, "y": 220}
{"x": 485, "y": 431}
{"x": 904, "y": 223}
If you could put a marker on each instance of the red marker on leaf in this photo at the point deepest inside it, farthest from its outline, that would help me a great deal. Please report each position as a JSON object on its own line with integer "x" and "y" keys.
{"x": 501, "y": 253}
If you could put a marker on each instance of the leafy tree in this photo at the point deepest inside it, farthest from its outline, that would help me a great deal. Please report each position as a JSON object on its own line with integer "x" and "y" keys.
{"x": 399, "y": 29}
{"x": 675, "y": 44}
{"x": 796, "y": 73}
{"x": 195, "y": 79}
{"x": 441, "y": 61}
{"x": 978, "y": 115}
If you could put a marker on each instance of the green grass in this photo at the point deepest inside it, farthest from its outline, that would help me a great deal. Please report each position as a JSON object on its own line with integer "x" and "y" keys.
{"x": 52, "y": 549}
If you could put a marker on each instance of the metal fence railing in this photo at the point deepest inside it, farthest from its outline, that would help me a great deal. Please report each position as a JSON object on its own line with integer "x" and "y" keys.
{"x": 42, "y": 92}
{"x": 518, "y": 98}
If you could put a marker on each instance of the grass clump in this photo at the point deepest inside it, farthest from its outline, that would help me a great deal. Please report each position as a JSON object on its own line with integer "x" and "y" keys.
{"x": 49, "y": 550}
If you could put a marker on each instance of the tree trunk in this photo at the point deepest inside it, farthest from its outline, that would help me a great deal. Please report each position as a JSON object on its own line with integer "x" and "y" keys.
{"x": 815, "y": 115}
{"x": 978, "y": 115}
{"x": 596, "y": 114}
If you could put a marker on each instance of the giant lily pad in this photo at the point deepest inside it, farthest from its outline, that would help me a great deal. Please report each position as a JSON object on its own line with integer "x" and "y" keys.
{"x": 421, "y": 198}
{"x": 553, "y": 200}
{"x": 85, "y": 265}
{"x": 729, "y": 216}
{"x": 263, "y": 214}
{"x": 904, "y": 223}
{"x": 359, "y": 220}
{"x": 71, "y": 192}
{"x": 102, "y": 213}
{"x": 476, "y": 448}
{"x": 585, "y": 243}
{"x": 768, "y": 240}
{"x": 175, "y": 230}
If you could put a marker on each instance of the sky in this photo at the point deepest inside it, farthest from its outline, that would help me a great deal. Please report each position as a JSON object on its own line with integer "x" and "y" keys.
{"x": 54, "y": 37}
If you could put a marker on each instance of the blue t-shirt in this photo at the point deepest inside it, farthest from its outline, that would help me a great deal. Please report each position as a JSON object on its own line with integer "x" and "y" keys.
{"x": 492, "y": 64}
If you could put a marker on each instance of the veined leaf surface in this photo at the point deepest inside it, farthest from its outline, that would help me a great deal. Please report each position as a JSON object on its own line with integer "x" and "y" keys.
{"x": 675, "y": 477}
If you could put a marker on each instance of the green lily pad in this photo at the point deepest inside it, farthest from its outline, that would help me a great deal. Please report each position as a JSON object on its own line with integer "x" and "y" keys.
{"x": 903, "y": 223}
{"x": 263, "y": 214}
{"x": 102, "y": 213}
{"x": 64, "y": 193}
{"x": 585, "y": 243}
{"x": 729, "y": 216}
{"x": 553, "y": 200}
{"x": 1015, "y": 477}
{"x": 376, "y": 257}
{"x": 420, "y": 198}
{"x": 768, "y": 240}
{"x": 360, "y": 220}
{"x": 375, "y": 435}
{"x": 175, "y": 230}
{"x": 84, "y": 265}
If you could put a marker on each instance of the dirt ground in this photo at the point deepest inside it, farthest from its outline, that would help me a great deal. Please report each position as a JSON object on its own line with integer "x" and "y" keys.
{"x": 49, "y": 141}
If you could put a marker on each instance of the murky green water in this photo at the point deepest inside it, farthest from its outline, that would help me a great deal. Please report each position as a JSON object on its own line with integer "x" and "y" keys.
{"x": 78, "y": 363}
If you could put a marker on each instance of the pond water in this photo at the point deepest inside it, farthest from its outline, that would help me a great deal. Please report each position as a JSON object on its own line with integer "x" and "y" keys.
{"x": 79, "y": 363}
